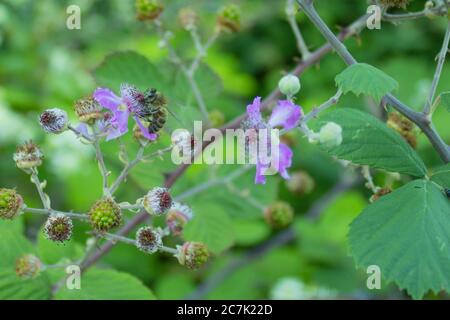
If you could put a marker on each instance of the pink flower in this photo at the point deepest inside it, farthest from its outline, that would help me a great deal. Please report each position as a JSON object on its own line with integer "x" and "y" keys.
{"x": 286, "y": 115}
{"x": 131, "y": 102}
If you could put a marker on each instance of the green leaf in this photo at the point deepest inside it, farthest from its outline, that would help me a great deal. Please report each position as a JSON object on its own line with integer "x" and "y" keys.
{"x": 100, "y": 284}
{"x": 445, "y": 100}
{"x": 442, "y": 176}
{"x": 366, "y": 79}
{"x": 51, "y": 252}
{"x": 14, "y": 288}
{"x": 174, "y": 286}
{"x": 368, "y": 141}
{"x": 129, "y": 67}
{"x": 407, "y": 234}
{"x": 210, "y": 225}
{"x": 12, "y": 246}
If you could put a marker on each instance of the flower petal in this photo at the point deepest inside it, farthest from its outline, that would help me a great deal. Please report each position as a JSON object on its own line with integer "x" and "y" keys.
{"x": 144, "y": 130}
{"x": 260, "y": 178}
{"x": 285, "y": 114}
{"x": 254, "y": 117}
{"x": 107, "y": 99}
{"x": 119, "y": 124}
{"x": 285, "y": 160}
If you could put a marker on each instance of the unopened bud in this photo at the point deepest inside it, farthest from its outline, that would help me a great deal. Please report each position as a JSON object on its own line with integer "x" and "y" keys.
{"x": 28, "y": 155}
{"x": 300, "y": 183}
{"x": 54, "y": 120}
{"x": 11, "y": 203}
{"x": 188, "y": 18}
{"x": 289, "y": 85}
{"x": 330, "y": 135}
{"x": 192, "y": 254}
{"x": 279, "y": 215}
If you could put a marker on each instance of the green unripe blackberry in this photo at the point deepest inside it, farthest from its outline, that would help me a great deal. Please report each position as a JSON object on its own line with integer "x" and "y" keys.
{"x": 147, "y": 10}
{"x": 193, "y": 254}
{"x": 395, "y": 3}
{"x": 279, "y": 215}
{"x": 28, "y": 266}
{"x": 11, "y": 203}
{"x": 105, "y": 214}
{"x": 229, "y": 18}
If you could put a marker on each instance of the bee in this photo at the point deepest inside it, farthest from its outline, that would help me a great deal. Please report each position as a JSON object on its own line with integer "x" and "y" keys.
{"x": 155, "y": 112}
{"x": 447, "y": 192}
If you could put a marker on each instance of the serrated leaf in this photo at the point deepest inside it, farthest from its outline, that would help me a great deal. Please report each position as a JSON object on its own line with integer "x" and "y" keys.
{"x": 12, "y": 246}
{"x": 362, "y": 78}
{"x": 210, "y": 225}
{"x": 129, "y": 67}
{"x": 442, "y": 176}
{"x": 99, "y": 284}
{"x": 407, "y": 234}
{"x": 368, "y": 141}
{"x": 445, "y": 100}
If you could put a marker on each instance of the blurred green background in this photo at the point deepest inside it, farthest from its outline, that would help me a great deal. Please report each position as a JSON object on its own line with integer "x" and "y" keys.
{"x": 43, "y": 64}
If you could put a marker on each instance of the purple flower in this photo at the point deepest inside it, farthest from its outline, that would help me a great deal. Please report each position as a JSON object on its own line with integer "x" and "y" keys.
{"x": 130, "y": 103}
{"x": 286, "y": 115}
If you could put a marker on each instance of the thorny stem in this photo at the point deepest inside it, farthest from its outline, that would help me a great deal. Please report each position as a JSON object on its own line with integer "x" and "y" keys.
{"x": 438, "y": 10}
{"x": 315, "y": 57}
{"x": 101, "y": 163}
{"x": 437, "y": 75}
{"x": 290, "y": 14}
{"x": 418, "y": 118}
{"x": 79, "y": 134}
{"x": 187, "y": 73}
{"x": 130, "y": 165}
{"x": 44, "y": 198}
{"x": 80, "y": 216}
{"x": 315, "y": 111}
{"x": 281, "y": 238}
{"x": 214, "y": 182}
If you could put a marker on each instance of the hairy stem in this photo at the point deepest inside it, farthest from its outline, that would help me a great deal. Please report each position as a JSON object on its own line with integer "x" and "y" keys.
{"x": 101, "y": 164}
{"x": 437, "y": 74}
{"x": 42, "y": 195}
{"x": 80, "y": 216}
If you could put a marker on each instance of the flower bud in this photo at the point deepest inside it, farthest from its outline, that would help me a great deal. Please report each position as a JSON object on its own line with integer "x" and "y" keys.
{"x": 395, "y": 3}
{"x": 188, "y": 18}
{"x": 193, "y": 254}
{"x": 229, "y": 19}
{"x": 105, "y": 214}
{"x": 330, "y": 135}
{"x": 380, "y": 193}
{"x": 28, "y": 155}
{"x": 157, "y": 201}
{"x": 88, "y": 110}
{"x": 300, "y": 183}
{"x": 54, "y": 120}
{"x": 289, "y": 85}
{"x": 58, "y": 228}
{"x": 279, "y": 215}
{"x": 404, "y": 127}
{"x": 147, "y": 10}
{"x": 148, "y": 240}
{"x": 11, "y": 203}
{"x": 28, "y": 266}
{"x": 217, "y": 118}
{"x": 177, "y": 217}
